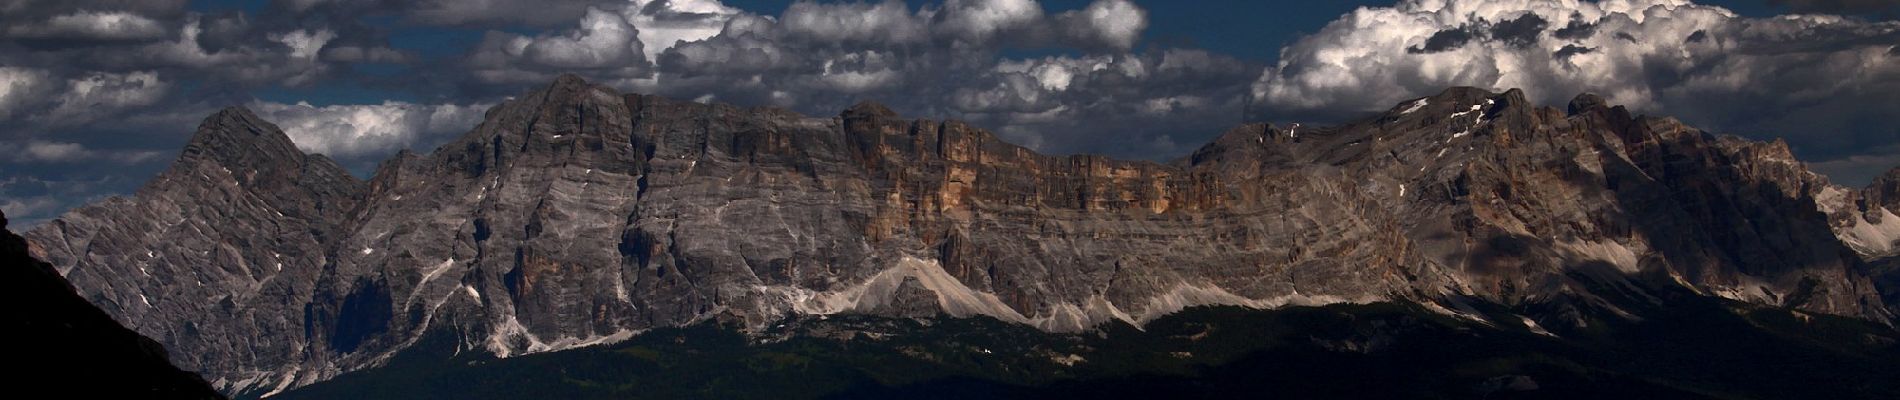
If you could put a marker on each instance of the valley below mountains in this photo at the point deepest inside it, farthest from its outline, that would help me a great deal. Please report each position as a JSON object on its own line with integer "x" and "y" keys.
{"x": 576, "y": 222}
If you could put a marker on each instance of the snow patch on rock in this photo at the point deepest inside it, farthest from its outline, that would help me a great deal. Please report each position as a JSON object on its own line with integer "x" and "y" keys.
{"x": 1417, "y": 105}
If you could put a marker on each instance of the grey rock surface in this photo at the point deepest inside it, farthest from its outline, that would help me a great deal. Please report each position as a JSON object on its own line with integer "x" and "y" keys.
{"x": 577, "y": 215}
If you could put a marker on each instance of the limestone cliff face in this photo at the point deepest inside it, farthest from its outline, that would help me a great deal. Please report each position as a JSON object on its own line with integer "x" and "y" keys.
{"x": 577, "y": 215}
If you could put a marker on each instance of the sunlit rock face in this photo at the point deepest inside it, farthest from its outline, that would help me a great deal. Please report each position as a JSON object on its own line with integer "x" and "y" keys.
{"x": 577, "y": 215}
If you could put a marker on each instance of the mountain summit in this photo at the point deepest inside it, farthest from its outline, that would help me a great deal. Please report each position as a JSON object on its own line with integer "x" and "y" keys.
{"x": 576, "y": 215}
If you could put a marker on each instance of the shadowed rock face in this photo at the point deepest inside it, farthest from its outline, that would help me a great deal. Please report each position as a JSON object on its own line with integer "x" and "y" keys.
{"x": 64, "y": 345}
{"x": 577, "y": 215}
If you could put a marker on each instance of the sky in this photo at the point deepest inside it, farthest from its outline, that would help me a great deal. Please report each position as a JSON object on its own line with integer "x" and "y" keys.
{"x": 97, "y": 96}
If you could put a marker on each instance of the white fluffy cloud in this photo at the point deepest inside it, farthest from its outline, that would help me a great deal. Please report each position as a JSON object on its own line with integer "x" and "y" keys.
{"x": 603, "y": 39}
{"x": 664, "y": 23}
{"x": 351, "y": 131}
{"x": 1111, "y": 23}
{"x": 980, "y": 21}
{"x": 603, "y": 42}
{"x": 1373, "y": 57}
{"x": 1817, "y": 80}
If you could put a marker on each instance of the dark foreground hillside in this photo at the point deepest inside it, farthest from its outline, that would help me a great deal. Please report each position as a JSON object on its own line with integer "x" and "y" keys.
{"x": 1703, "y": 350}
{"x": 58, "y": 344}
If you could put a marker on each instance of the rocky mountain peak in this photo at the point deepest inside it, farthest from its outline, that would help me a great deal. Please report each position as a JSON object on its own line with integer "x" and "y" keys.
{"x": 1586, "y": 102}
{"x": 1462, "y": 95}
{"x": 559, "y": 124}
{"x": 569, "y": 90}
{"x": 236, "y": 137}
{"x": 868, "y": 109}
{"x": 1884, "y": 191}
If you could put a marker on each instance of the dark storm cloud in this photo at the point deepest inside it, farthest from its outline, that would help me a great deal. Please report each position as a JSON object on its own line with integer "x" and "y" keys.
{"x": 1446, "y": 39}
{"x": 459, "y": 13}
{"x": 540, "y": 13}
{"x": 1577, "y": 29}
{"x": 67, "y": 24}
{"x": 1571, "y": 50}
{"x": 1522, "y": 31}
{"x": 1697, "y": 37}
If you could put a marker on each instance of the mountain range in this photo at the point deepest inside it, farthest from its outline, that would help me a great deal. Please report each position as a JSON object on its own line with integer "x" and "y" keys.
{"x": 576, "y": 216}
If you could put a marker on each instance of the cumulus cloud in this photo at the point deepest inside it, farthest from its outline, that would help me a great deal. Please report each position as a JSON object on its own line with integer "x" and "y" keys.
{"x": 1115, "y": 24}
{"x": 664, "y": 23}
{"x": 604, "y": 39}
{"x": 603, "y": 42}
{"x": 18, "y": 87}
{"x": 349, "y": 132}
{"x": 102, "y": 94}
{"x": 1817, "y": 80}
{"x": 980, "y": 21}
